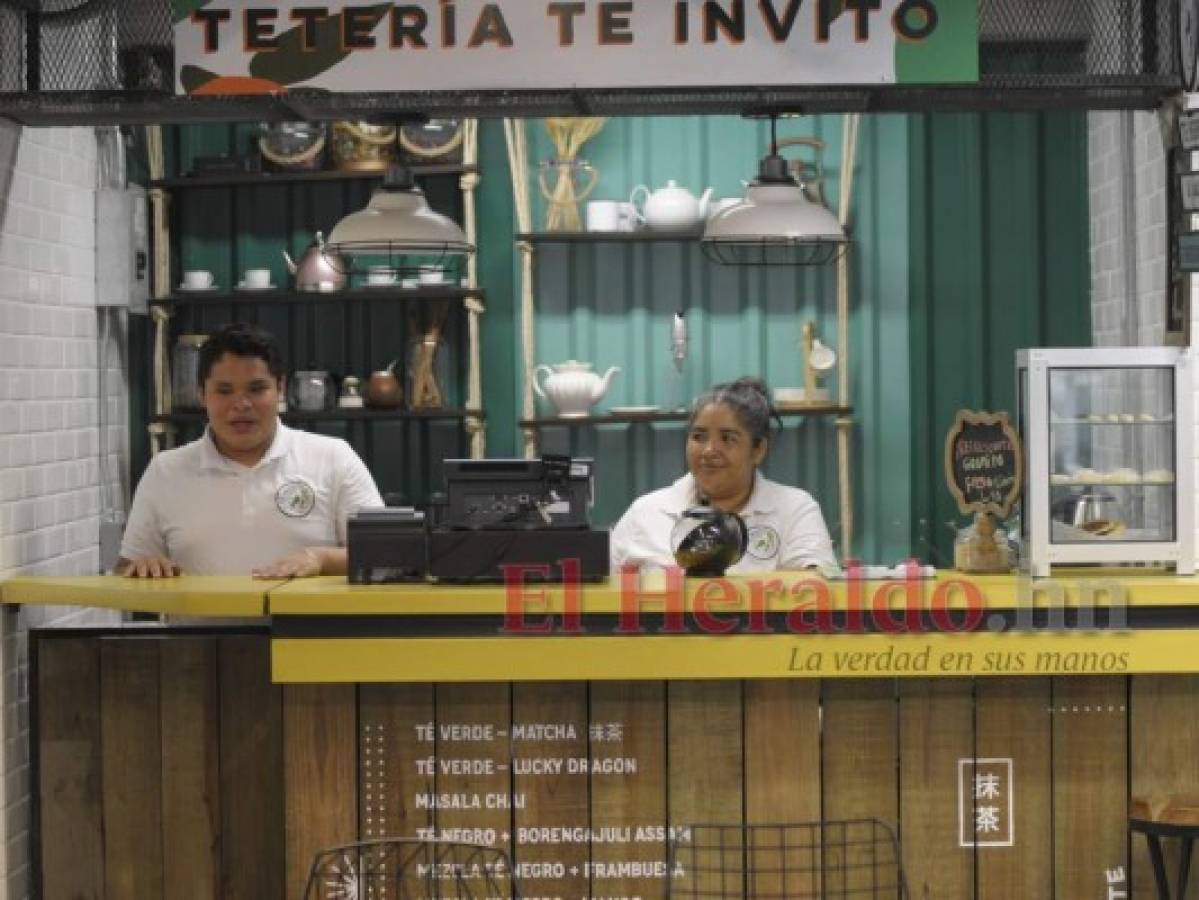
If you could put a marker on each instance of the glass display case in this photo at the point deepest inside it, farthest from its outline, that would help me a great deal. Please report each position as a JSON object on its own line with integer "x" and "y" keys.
{"x": 1108, "y": 435}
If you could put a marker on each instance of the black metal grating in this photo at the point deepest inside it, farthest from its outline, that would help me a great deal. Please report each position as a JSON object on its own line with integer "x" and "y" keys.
{"x": 86, "y": 45}
{"x": 95, "y": 61}
{"x": 851, "y": 859}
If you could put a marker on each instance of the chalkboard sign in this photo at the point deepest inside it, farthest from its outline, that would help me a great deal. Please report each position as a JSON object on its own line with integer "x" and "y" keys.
{"x": 984, "y": 465}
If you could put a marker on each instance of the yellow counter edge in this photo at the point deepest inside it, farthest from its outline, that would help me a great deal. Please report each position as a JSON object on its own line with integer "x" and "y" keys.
{"x": 217, "y": 596}
{"x": 642, "y": 657}
{"x": 771, "y": 591}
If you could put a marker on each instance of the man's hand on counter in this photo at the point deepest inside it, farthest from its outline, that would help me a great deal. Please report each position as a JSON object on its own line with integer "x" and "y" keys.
{"x": 303, "y": 563}
{"x": 147, "y": 567}
{"x": 306, "y": 563}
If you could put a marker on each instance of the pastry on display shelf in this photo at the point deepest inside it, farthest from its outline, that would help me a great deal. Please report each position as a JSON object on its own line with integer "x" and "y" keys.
{"x": 1123, "y": 476}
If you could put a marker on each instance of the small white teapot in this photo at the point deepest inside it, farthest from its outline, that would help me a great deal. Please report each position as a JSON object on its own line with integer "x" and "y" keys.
{"x": 571, "y": 386}
{"x": 670, "y": 208}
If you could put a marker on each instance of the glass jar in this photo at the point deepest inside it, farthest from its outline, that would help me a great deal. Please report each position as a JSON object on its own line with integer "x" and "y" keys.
{"x": 351, "y": 393}
{"x": 983, "y": 547}
{"x": 428, "y": 371}
{"x": 185, "y": 371}
{"x": 292, "y": 146}
{"x": 310, "y": 390}
{"x": 565, "y": 183}
{"x": 363, "y": 146}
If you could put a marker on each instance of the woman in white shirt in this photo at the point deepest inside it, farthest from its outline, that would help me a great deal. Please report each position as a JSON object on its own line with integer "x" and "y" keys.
{"x": 727, "y": 439}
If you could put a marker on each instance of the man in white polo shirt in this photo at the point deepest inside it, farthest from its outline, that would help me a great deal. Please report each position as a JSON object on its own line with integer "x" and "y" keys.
{"x": 251, "y": 496}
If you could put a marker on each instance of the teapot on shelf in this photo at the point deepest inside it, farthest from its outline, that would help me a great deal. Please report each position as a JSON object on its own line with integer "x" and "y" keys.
{"x": 319, "y": 269}
{"x": 571, "y": 386}
{"x": 670, "y": 208}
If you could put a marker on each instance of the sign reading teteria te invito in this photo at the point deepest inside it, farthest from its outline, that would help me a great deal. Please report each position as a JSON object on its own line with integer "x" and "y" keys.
{"x": 240, "y": 46}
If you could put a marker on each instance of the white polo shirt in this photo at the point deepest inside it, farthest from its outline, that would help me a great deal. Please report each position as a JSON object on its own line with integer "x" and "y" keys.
{"x": 786, "y": 528}
{"x": 214, "y": 516}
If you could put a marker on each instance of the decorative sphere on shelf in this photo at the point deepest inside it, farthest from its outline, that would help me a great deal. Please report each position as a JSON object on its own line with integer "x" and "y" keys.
{"x": 706, "y": 541}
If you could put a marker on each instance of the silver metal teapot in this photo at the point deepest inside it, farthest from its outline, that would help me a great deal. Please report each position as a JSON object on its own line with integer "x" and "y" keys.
{"x": 1085, "y": 507}
{"x": 319, "y": 269}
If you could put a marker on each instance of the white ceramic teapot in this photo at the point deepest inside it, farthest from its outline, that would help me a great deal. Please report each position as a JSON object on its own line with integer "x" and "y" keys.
{"x": 670, "y": 208}
{"x": 571, "y": 386}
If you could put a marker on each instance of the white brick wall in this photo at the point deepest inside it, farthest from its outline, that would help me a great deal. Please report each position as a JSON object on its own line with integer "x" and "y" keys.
{"x": 1115, "y": 316}
{"x": 1118, "y": 319}
{"x": 49, "y": 469}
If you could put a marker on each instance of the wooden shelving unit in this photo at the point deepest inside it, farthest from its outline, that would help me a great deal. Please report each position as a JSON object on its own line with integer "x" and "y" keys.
{"x": 642, "y": 236}
{"x": 631, "y": 418}
{"x": 225, "y": 223}
{"x": 279, "y": 295}
{"x": 267, "y": 179}
{"x": 191, "y": 417}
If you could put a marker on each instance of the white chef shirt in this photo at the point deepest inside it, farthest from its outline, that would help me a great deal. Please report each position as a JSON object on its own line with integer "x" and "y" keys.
{"x": 214, "y": 516}
{"x": 786, "y": 528}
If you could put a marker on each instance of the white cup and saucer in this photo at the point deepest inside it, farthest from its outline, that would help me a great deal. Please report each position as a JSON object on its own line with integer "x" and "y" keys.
{"x": 610, "y": 215}
{"x": 197, "y": 280}
{"x": 256, "y": 280}
{"x": 431, "y": 275}
{"x": 381, "y": 276}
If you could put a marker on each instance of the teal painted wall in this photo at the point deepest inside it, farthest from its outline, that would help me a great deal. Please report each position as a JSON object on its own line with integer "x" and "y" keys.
{"x": 611, "y": 304}
{"x": 999, "y": 261}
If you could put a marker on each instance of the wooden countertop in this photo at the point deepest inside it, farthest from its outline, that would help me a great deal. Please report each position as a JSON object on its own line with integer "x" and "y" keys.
{"x": 775, "y": 592}
{"x": 187, "y": 595}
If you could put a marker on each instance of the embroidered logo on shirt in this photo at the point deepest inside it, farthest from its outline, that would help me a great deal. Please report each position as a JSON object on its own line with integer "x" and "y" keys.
{"x": 763, "y": 542}
{"x": 295, "y": 498}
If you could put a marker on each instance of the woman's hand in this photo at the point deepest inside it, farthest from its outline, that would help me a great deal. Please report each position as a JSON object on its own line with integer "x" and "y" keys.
{"x": 301, "y": 564}
{"x": 147, "y": 567}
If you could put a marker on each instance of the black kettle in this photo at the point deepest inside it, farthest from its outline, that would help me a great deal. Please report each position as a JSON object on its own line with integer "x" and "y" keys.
{"x": 706, "y": 541}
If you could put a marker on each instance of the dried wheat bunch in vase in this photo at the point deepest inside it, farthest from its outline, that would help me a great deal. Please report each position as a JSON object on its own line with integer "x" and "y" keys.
{"x": 565, "y": 180}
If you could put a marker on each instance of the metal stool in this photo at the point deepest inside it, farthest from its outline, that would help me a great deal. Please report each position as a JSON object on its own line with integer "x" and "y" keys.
{"x": 1167, "y": 817}
{"x": 411, "y": 869}
{"x": 850, "y": 859}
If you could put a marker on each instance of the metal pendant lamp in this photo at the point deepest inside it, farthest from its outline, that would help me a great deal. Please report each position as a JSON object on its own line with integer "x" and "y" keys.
{"x": 398, "y": 221}
{"x": 775, "y": 224}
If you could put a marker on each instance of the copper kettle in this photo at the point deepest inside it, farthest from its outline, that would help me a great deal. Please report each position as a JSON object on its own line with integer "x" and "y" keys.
{"x": 319, "y": 269}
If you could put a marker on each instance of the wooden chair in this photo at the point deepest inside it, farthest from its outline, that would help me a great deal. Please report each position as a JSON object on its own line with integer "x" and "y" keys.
{"x": 1167, "y": 816}
{"x": 411, "y": 869}
{"x": 850, "y": 859}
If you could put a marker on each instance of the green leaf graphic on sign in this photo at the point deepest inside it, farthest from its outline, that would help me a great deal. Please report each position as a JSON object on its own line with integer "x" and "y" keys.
{"x": 192, "y": 77}
{"x": 184, "y": 8}
{"x": 290, "y": 64}
{"x": 949, "y": 53}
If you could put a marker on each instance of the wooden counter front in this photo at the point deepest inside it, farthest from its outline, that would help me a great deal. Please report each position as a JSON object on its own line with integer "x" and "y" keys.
{"x": 170, "y": 765}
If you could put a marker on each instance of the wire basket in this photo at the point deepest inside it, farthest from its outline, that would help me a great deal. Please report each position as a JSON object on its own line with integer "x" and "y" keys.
{"x": 771, "y": 251}
{"x": 411, "y": 869}
{"x": 835, "y": 860}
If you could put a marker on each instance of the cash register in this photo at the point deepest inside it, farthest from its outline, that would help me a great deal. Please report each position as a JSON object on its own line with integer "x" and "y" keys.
{"x": 495, "y": 514}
